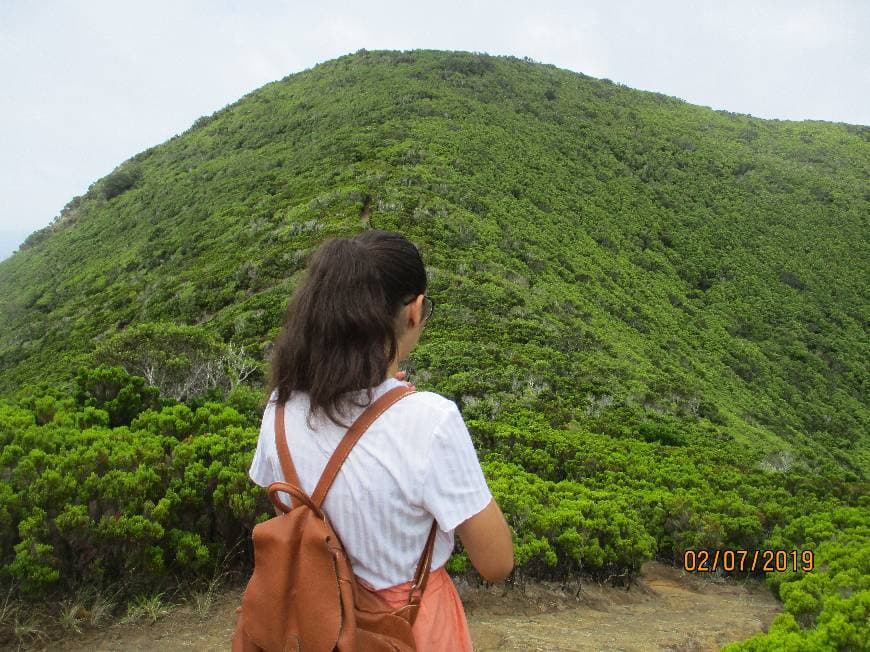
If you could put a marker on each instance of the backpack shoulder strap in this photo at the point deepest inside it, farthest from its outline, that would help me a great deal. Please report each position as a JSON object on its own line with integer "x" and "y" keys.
{"x": 421, "y": 577}
{"x": 356, "y": 431}
{"x": 284, "y": 452}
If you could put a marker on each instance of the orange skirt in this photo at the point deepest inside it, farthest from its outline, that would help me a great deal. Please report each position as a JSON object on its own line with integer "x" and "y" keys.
{"x": 440, "y": 625}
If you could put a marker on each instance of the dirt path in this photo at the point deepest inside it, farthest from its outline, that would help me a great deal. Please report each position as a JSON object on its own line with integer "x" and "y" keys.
{"x": 666, "y": 610}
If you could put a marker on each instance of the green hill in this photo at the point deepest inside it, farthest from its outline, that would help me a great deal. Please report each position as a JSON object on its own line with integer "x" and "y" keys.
{"x": 598, "y": 244}
{"x": 652, "y": 315}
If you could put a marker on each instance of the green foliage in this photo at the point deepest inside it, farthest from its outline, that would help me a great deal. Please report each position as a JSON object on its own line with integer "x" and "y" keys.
{"x": 112, "y": 390}
{"x": 165, "y": 497}
{"x": 179, "y": 361}
{"x": 248, "y": 402}
{"x": 120, "y": 181}
{"x": 828, "y": 608}
{"x": 564, "y": 528}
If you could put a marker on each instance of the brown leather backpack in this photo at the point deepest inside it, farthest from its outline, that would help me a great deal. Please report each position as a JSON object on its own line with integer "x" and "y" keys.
{"x": 303, "y": 594}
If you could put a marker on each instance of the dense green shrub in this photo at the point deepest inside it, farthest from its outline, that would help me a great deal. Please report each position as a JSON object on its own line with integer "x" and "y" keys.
{"x": 829, "y": 607}
{"x": 565, "y": 528}
{"x": 167, "y": 496}
{"x": 120, "y": 181}
{"x": 111, "y": 389}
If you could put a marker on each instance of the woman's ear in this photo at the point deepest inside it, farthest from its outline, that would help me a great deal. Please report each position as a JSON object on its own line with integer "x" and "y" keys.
{"x": 418, "y": 310}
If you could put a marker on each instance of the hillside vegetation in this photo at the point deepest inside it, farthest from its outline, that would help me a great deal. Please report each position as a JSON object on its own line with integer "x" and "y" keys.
{"x": 651, "y": 314}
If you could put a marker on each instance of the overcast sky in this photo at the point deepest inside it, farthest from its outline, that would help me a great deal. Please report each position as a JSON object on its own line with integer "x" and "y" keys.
{"x": 86, "y": 85}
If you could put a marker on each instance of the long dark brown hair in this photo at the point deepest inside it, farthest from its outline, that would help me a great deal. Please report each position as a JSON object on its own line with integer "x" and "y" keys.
{"x": 341, "y": 319}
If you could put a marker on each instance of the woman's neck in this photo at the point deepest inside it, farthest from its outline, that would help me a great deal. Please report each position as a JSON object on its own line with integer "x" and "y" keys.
{"x": 393, "y": 370}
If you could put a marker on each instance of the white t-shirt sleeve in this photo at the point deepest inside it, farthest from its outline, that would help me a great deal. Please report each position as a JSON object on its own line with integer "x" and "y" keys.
{"x": 454, "y": 488}
{"x": 262, "y": 472}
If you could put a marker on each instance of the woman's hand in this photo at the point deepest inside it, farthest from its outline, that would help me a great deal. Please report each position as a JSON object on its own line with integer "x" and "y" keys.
{"x": 400, "y": 375}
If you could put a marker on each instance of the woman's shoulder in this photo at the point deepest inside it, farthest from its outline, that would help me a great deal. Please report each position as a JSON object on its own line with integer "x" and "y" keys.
{"x": 433, "y": 408}
{"x": 432, "y": 398}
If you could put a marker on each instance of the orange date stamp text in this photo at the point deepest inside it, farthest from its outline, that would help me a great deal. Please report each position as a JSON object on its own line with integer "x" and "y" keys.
{"x": 768, "y": 561}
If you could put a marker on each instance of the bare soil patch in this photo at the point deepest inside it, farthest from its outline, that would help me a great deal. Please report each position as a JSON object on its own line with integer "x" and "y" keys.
{"x": 667, "y": 609}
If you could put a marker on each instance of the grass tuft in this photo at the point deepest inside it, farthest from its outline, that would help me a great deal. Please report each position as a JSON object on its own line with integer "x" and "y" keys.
{"x": 150, "y": 608}
{"x": 73, "y": 615}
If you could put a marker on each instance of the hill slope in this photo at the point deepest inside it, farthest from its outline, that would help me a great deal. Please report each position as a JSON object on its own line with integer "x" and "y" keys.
{"x": 590, "y": 247}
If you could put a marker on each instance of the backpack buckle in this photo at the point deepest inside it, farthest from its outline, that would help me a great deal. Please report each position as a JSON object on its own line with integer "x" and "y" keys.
{"x": 414, "y": 588}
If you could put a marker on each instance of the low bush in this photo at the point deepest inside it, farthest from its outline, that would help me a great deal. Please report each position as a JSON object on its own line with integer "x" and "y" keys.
{"x": 163, "y": 496}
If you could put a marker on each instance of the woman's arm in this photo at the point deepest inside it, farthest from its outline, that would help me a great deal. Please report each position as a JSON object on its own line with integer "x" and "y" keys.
{"x": 486, "y": 538}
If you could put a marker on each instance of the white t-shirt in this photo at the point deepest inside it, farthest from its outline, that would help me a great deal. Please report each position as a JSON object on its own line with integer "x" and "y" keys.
{"x": 416, "y": 461}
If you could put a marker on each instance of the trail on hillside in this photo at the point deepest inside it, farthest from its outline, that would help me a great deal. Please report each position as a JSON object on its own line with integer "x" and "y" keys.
{"x": 666, "y": 609}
